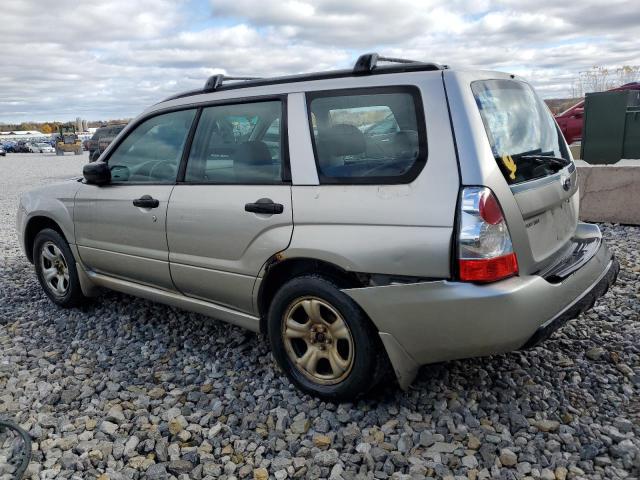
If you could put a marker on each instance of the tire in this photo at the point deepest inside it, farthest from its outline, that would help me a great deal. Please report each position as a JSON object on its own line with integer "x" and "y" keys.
{"x": 62, "y": 264}
{"x": 363, "y": 353}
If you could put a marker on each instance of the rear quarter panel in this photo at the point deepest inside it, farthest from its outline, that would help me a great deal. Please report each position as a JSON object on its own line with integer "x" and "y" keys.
{"x": 402, "y": 229}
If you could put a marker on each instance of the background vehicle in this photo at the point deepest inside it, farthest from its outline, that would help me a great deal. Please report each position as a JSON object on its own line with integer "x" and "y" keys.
{"x": 68, "y": 140}
{"x": 9, "y": 147}
{"x": 101, "y": 139}
{"x": 44, "y": 147}
{"x": 21, "y": 147}
{"x": 3, "y": 152}
{"x": 455, "y": 235}
{"x": 571, "y": 120}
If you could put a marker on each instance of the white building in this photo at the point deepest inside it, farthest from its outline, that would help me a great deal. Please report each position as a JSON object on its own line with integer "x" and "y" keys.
{"x": 26, "y": 135}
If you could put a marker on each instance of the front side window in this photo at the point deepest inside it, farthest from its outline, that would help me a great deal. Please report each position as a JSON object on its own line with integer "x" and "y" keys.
{"x": 523, "y": 136}
{"x": 151, "y": 153}
{"x": 237, "y": 143}
{"x": 377, "y": 136}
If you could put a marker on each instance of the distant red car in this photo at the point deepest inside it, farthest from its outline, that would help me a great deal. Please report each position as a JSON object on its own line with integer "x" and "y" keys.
{"x": 570, "y": 121}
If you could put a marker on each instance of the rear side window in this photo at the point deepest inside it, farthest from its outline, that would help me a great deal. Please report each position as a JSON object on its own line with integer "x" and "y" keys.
{"x": 368, "y": 136}
{"x": 238, "y": 143}
{"x": 520, "y": 129}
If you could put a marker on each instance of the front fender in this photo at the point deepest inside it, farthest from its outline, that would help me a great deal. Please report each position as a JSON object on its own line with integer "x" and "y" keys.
{"x": 53, "y": 202}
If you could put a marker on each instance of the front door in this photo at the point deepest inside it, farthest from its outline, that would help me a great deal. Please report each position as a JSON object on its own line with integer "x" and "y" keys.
{"x": 120, "y": 227}
{"x": 233, "y": 210}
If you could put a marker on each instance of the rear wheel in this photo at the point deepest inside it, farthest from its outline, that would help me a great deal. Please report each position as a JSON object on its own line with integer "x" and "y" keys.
{"x": 323, "y": 340}
{"x": 56, "y": 269}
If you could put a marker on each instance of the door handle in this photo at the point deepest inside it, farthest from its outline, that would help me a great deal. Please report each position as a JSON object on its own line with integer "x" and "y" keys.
{"x": 146, "y": 201}
{"x": 264, "y": 205}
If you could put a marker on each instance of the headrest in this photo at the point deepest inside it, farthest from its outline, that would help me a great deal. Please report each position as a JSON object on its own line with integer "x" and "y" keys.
{"x": 343, "y": 139}
{"x": 406, "y": 142}
{"x": 253, "y": 152}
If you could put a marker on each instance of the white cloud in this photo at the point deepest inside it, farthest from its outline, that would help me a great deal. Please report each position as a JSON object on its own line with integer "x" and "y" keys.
{"x": 112, "y": 58}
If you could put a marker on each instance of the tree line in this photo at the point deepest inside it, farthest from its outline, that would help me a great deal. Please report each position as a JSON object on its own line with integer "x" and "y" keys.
{"x": 600, "y": 79}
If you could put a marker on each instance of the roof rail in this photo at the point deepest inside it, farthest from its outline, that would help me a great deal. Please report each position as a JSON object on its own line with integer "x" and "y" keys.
{"x": 369, "y": 61}
{"x": 366, "y": 64}
{"x": 215, "y": 81}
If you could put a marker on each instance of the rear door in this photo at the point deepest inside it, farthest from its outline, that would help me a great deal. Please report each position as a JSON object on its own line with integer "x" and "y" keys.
{"x": 232, "y": 210}
{"x": 531, "y": 153}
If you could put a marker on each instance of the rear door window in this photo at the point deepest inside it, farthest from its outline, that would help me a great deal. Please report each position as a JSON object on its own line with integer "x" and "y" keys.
{"x": 520, "y": 129}
{"x": 238, "y": 144}
{"x": 368, "y": 136}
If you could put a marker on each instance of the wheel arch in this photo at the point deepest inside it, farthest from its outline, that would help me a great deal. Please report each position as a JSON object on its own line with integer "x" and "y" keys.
{"x": 278, "y": 272}
{"x": 35, "y": 225}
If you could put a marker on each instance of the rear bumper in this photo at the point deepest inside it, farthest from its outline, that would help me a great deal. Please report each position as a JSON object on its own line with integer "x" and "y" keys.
{"x": 435, "y": 321}
{"x": 581, "y": 304}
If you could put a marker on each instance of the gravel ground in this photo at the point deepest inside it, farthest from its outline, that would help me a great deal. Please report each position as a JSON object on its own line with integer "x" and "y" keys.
{"x": 125, "y": 388}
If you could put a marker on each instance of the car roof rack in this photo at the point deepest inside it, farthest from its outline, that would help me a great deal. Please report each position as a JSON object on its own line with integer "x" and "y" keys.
{"x": 366, "y": 64}
{"x": 369, "y": 61}
{"x": 214, "y": 82}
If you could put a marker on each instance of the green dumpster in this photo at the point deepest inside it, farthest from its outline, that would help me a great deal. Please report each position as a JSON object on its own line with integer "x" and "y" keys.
{"x": 611, "y": 128}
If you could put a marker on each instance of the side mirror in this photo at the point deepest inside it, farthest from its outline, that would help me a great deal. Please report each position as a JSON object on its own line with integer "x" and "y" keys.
{"x": 96, "y": 173}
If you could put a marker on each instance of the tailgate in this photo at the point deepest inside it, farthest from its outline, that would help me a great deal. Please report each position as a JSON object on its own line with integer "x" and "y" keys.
{"x": 549, "y": 208}
{"x": 532, "y": 155}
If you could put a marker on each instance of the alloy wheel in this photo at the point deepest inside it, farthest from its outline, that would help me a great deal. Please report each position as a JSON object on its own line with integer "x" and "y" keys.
{"x": 55, "y": 271}
{"x": 318, "y": 340}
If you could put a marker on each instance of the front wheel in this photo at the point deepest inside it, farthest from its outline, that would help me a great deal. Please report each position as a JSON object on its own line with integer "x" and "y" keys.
{"x": 56, "y": 269}
{"x": 323, "y": 341}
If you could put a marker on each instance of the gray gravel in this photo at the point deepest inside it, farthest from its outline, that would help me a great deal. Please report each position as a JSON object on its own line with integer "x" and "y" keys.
{"x": 125, "y": 388}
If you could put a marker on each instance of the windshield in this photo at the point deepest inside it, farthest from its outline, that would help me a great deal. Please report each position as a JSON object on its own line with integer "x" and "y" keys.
{"x": 520, "y": 128}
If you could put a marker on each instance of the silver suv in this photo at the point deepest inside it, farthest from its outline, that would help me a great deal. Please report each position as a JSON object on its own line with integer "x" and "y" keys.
{"x": 368, "y": 220}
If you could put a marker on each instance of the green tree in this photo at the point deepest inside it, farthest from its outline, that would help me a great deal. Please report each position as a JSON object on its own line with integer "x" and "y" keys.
{"x": 26, "y": 126}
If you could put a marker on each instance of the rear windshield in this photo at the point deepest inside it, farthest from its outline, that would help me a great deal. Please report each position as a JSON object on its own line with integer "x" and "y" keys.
{"x": 520, "y": 129}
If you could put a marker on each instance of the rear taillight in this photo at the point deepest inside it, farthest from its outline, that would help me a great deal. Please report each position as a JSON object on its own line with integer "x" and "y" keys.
{"x": 485, "y": 253}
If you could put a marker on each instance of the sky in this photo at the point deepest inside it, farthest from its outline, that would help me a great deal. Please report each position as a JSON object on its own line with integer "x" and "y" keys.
{"x": 106, "y": 59}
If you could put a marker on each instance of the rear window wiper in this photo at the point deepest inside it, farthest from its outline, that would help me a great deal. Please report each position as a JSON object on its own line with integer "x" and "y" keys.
{"x": 547, "y": 159}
